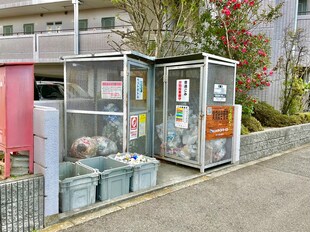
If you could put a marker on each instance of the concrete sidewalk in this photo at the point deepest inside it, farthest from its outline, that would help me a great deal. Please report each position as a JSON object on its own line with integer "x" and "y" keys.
{"x": 270, "y": 194}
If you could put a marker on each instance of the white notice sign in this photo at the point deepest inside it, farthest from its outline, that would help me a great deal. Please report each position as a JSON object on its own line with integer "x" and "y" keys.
{"x": 112, "y": 90}
{"x": 139, "y": 88}
{"x": 182, "y": 94}
{"x": 220, "y": 92}
{"x": 134, "y": 122}
{"x": 181, "y": 116}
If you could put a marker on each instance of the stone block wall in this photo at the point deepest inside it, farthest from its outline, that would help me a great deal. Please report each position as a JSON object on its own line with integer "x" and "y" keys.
{"x": 46, "y": 154}
{"x": 22, "y": 204}
{"x": 59, "y": 105}
{"x": 271, "y": 141}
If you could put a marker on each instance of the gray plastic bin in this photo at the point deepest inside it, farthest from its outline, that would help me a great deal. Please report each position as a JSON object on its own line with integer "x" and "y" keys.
{"x": 114, "y": 177}
{"x": 77, "y": 186}
{"x": 144, "y": 174}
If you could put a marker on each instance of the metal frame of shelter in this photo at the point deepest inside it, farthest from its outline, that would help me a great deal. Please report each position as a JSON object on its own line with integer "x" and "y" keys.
{"x": 201, "y": 63}
{"x": 129, "y": 60}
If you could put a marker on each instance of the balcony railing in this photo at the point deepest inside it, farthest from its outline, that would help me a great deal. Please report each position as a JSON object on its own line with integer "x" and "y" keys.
{"x": 303, "y": 12}
{"x": 50, "y": 46}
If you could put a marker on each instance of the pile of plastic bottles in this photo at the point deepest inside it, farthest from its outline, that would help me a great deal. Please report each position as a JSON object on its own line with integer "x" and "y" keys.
{"x": 130, "y": 158}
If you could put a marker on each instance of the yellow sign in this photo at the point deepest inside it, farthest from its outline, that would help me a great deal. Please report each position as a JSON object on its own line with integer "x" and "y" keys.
{"x": 142, "y": 125}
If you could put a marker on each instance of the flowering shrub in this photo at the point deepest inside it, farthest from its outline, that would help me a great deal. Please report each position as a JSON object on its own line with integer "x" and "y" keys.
{"x": 228, "y": 29}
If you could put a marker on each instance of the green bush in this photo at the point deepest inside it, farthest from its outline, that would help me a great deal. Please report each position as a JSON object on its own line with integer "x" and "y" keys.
{"x": 251, "y": 123}
{"x": 296, "y": 119}
{"x": 305, "y": 117}
{"x": 269, "y": 117}
{"x": 244, "y": 130}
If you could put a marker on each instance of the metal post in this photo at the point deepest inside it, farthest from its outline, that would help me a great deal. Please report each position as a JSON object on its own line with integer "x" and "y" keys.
{"x": 296, "y": 16}
{"x": 295, "y": 25}
{"x": 126, "y": 113}
{"x": 76, "y": 26}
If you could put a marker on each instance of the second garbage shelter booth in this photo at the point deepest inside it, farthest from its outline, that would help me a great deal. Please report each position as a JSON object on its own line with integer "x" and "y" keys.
{"x": 179, "y": 109}
{"x": 196, "y": 121}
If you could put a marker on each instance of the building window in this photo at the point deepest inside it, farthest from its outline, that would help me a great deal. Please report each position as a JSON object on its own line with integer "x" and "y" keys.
{"x": 53, "y": 26}
{"x": 83, "y": 24}
{"x": 8, "y": 30}
{"x": 49, "y": 26}
{"x": 302, "y": 7}
{"x": 28, "y": 28}
{"x": 108, "y": 23}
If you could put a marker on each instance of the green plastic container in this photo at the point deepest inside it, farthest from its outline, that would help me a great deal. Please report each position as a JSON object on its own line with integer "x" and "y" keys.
{"x": 77, "y": 186}
{"x": 114, "y": 177}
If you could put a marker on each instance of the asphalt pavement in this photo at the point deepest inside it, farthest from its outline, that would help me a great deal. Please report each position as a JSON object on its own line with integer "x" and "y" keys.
{"x": 270, "y": 194}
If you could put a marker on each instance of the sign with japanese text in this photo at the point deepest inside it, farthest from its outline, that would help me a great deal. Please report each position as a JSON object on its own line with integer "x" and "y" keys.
{"x": 139, "y": 88}
{"x": 181, "y": 116}
{"x": 112, "y": 90}
{"x": 134, "y": 121}
{"x": 220, "y": 92}
{"x": 142, "y": 125}
{"x": 182, "y": 94}
{"x": 220, "y": 122}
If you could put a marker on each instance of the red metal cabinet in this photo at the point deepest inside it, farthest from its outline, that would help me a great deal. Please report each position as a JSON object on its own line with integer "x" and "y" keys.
{"x": 16, "y": 111}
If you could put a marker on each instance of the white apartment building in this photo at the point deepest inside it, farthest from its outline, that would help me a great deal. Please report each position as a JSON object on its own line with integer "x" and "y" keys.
{"x": 42, "y": 31}
{"x": 295, "y": 14}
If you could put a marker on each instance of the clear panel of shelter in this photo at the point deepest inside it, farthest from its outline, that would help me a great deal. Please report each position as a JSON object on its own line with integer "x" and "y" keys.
{"x": 94, "y": 101}
{"x": 139, "y": 114}
{"x": 182, "y": 114}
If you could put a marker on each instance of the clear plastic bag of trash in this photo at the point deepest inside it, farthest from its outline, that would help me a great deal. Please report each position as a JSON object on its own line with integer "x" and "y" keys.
{"x": 215, "y": 150}
{"x": 83, "y": 147}
{"x": 105, "y": 146}
{"x": 86, "y": 147}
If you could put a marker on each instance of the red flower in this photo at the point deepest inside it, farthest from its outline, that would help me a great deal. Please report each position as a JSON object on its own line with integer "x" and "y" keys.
{"x": 262, "y": 53}
{"x": 237, "y": 6}
{"x": 227, "y": 12}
